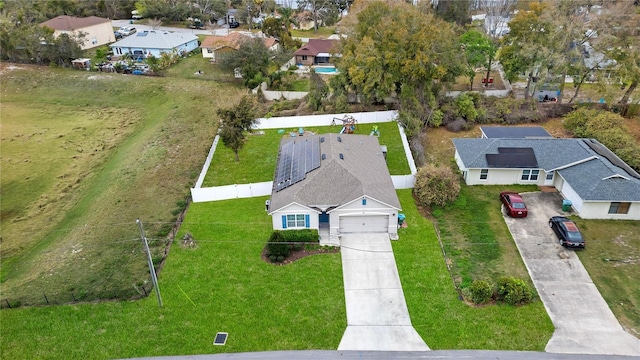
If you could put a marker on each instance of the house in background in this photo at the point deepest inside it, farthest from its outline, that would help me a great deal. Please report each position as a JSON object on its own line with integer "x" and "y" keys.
{"x": 216, "y": 45}
{"x": 513, "y": 132}
{"x": 336, "y": 183}
{"x": 97, "y": 31}
{"x": 594, "y": 179}
{"x": 315, "y": 52}
{"x": 148, "y": 43}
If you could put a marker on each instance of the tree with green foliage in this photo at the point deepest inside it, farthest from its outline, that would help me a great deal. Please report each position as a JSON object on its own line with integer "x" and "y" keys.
{"x": 235, "y": 122}
{"x": 413, "y": 61}
{"x": 523, "y": 50}
{"x": 252, "y": 58}
{"x": 318, "y": 91}
{"x": 609, "y": 129}
{"x": 479, "y": 51}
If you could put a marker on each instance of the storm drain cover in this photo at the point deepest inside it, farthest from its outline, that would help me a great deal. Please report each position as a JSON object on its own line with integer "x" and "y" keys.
{"x": 221, "y": 338}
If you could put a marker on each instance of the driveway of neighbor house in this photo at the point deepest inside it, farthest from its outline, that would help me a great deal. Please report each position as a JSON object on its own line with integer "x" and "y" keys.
{"x": 377, "y": 315}
{"x": 583, "y": 322}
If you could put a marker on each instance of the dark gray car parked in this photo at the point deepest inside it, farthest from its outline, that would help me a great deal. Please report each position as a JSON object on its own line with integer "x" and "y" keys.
{"x": 567, "y": 232}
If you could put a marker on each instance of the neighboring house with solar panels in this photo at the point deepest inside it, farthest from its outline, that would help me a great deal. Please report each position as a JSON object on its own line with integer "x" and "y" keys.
{"x": 147, "y": 43}
{"x": 335, "y": 181}
{"x": 598, "y": 183}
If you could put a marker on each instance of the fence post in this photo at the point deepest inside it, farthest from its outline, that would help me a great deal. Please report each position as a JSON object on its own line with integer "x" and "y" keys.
{"x": 8, "y": 304}
{"x": 45, "y": 298}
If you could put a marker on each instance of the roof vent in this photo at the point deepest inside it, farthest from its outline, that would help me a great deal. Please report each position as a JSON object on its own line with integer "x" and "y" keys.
{"x": 322, "y": 139}
{"x": 339, "y": 139}
{"x": 341, "y": 157}
{"x": 324, "y": 156}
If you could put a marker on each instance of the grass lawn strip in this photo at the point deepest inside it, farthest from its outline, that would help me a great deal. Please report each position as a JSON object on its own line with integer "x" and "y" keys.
{"x": 445, "y": 322}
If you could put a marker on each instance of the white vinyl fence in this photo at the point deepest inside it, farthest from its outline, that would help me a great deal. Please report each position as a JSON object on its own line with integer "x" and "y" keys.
{"x": 215, "y": 193}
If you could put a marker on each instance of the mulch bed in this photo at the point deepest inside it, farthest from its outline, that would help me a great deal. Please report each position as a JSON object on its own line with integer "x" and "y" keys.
{"x": 299, "y": 254}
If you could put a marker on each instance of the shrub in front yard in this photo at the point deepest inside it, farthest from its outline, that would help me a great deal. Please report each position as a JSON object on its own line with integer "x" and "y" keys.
{"x": 277, "y": 248}
{"x": 304, "y": 235}
{"x": 436, "y": 185}
{"x": 282, "y": 242}
{"x": 480, "y": 292}
{"x": 514, "y": 291}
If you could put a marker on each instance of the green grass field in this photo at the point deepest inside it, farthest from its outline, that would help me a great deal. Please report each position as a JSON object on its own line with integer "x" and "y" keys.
{"x": 444, "y": 321}
{"x": 83, "y": 156}
{"x": 476, "y": 238}
{"x": 222, "y": 284}
{"x": 612, "y": 259}
{"x": 259, "y": 155}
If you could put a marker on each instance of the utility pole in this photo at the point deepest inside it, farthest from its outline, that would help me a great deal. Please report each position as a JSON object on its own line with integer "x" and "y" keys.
{"x": 152, "y": 270}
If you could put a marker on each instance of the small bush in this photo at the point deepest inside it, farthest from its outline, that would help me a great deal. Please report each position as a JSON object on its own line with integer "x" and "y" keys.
{"x": 298, "y": 236}
{"x": 277, "y": 246}
{"x": 514, "y": 291}
{"x": 466, "y": 108}
{"x": 436, "y": 185}
{"x": 480, "y": 291}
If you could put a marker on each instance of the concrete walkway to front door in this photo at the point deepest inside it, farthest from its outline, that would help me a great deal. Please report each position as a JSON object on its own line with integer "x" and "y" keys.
{"x": 377, "y": 315}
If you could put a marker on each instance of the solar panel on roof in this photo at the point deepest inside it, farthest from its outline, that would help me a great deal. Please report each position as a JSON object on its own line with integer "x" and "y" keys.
{"x": 296, "y": 159}
{"x": 513, "y": 158}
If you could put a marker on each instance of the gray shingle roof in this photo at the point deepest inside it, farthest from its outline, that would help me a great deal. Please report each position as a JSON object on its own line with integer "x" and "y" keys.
{"x": 155, "y": 40}
{"x": 362, "y": 172}
{"x": 515, "y": 132}
{"x": 591, "y": 175}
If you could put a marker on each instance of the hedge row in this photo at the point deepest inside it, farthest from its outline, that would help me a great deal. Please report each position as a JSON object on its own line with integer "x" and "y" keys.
{"x": 282, "y": 242}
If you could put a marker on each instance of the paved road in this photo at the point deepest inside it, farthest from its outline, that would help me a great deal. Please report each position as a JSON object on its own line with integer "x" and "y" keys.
{"x": 583, "y": 321}
{"x": 395, "y": 355}
{"x": 377, "y": 315}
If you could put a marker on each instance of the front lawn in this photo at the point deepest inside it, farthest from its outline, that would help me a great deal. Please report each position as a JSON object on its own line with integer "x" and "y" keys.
{"x": 444, "y": 321}
{"x": 612, "y": 258}
{"x": 259, "y": 155}
{"x": 221, "y": 284}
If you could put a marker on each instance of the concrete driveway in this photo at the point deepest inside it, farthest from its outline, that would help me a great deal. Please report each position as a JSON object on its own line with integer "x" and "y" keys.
{"x": 377, "y": 315}
{"x": 583, "y": 322}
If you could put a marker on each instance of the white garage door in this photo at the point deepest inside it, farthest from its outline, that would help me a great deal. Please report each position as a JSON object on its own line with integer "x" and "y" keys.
{"x": 363, "y": 224}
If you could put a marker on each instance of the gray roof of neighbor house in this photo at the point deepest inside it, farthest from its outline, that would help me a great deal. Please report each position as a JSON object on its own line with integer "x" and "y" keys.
{"x": 592, "y": 170}
{"x": 515, "y": 132}
{"x": 153, "y": 39}
{"x": 70, "y": 23}
{"x": 362, "y": 171}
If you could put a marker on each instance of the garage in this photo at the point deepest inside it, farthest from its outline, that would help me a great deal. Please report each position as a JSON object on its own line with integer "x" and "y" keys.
{"x": 364, "y": 224}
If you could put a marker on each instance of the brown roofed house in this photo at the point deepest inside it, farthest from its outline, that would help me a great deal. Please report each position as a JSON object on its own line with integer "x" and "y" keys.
{"x": 315, "y": 52}
{"x": 97, "y": 31}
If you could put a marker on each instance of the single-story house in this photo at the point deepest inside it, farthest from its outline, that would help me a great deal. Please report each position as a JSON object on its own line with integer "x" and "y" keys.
{"x": 594, "y": 179}
{"x": 97, "y": 31}
{"x": 513, "y": 132}
{"x": 315, "y": 52}
{"x": 152, "y": 42}
{"x": 213, "y": 45}
{"x": 338, "y": 182}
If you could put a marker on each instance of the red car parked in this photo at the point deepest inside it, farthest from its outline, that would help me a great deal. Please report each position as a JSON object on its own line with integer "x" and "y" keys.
{"x": 514, "y": 204}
